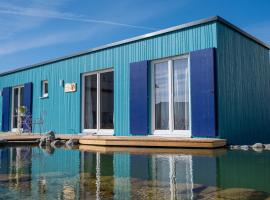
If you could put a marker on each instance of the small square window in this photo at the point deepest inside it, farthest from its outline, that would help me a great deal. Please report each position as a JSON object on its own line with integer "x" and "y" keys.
{"x": 45, "y": 88}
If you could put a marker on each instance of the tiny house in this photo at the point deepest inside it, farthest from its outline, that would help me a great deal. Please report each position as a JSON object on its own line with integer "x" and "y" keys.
{"x": 206, "y": 78}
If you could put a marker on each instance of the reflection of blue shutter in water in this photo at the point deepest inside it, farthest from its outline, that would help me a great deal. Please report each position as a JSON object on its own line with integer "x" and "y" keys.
{"x": 202, "y": 66}
{"x": 28, "y": 102}
{"x": 139, "y": 92}
{"x": 6, "y": 109}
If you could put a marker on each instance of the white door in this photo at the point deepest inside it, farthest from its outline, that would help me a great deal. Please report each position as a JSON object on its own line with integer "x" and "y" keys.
{"x": 170, "y": 97}
{"x": 17, "y": 101}
{"x": 98, "y": 102}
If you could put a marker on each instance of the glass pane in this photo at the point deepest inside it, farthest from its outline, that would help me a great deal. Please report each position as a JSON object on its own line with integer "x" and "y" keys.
{"x": 15, "y": 106}
{"x": 21, "y": 96}
{"x": 90, "y": 105}
{"x": 46, "y": 89}
{"x": 181, "y": 94}
{"x": 161, "y": 96}
{"x": 106, "y": 100}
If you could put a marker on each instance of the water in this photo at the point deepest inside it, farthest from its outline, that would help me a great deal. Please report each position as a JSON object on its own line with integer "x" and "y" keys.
{"x": 33, "y": 173}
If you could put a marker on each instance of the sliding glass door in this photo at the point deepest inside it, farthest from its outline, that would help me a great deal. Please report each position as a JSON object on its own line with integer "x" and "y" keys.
{"x": 170, "y": 104}
{"x": 161, "y": 96}
{"x": 106, "y": 100}
{"x": 17, "y": 101}
{"x": 98, "y": 102}
{"x": 90, "y": 103}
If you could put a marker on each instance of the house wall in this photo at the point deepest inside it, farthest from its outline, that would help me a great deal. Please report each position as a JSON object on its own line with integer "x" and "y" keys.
{"x": 243, "y": 83}
{"x": 64, "y": 109}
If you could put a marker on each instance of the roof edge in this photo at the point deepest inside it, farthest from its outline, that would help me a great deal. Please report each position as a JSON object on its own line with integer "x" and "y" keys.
{"x": 140, "y": 37}
{"x": 241, "y": 31}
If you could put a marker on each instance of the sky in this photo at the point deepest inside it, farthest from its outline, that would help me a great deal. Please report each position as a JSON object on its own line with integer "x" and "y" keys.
{"x": 32, "y": 31}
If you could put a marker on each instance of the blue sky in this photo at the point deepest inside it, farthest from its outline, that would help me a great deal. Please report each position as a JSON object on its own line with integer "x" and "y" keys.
{"x": 36, "y": 30}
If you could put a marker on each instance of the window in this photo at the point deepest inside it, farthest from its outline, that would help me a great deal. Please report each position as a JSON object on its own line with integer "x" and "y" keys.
{"x": 98, "y": 102}
{"x": 45, "y": 88}
{"x": 170, "y": 96}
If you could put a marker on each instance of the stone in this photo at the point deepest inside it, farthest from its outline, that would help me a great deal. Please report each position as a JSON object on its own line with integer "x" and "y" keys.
{"x": 259, "y": 150}
{"x": 234, "y": 147}
{"x": 72, "y": 142}
{"x": 267, "y": 146}
{"x": 257, "y": 146}
{"x": 47, "y": 138}
{"x": 244, "y": 147}
{"x": 50, "y": 136}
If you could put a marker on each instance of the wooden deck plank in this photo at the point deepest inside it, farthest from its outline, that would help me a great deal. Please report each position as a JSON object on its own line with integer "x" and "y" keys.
{"x": 152, "y": 141}
{"x": 141, "y": 141}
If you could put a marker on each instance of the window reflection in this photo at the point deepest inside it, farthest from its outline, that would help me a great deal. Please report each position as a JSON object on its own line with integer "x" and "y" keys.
{"x": 161, "y": 96}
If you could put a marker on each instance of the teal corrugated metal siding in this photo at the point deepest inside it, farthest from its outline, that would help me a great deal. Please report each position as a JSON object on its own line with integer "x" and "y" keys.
{"x": 63, "y": 109}
{"x": 243, "y": 76}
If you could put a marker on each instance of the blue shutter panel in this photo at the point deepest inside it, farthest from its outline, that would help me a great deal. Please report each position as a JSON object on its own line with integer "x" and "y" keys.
{"x": 27, "y": 101}
{"x": 139, "y": 121}
{"x": 203, "y": 117}
{"x": 6, "y": 94}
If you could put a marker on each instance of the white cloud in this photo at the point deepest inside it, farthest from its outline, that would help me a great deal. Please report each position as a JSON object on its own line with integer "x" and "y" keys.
{"x": 24, "y": 24}
{"x": 43, "y": 13}
{"x": 13, "y": 25}
{"x": 44, "y": 40}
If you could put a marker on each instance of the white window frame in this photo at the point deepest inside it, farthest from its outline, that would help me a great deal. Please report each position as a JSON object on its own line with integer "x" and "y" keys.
{"x": 171, "y": 131}
{"x": 19, "y": 87}
{"x": 98, "y": 131}
{"x": 44, "y": 95}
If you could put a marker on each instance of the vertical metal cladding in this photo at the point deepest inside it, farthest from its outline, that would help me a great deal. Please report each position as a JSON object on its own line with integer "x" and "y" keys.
{"x": 243, "y": 83}
{"x": 64, "y": 109}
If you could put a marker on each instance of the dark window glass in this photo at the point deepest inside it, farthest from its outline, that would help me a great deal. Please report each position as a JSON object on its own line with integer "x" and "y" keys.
{"x": 106, "y": 100}
{"x": 46, "y": 89}
{"x": 90, "y": 105}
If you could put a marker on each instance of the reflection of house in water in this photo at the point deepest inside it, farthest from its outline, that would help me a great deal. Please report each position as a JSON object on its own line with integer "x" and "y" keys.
{"x": 73, "y": 174}
{"x": 96, "y": 177}
{"x": 29, "y": 172}
{"x": 55, "y": 175}
{"x": 174, "y": 176}
{"x": 129, "y": 176}
{"x": 15, "y": 169}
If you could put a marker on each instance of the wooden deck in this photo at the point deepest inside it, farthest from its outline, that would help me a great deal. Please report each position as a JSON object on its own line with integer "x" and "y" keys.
{"x": 30, "y": 138}
{"x": 128, "y": 141}
{"x": 152, "y": 141}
